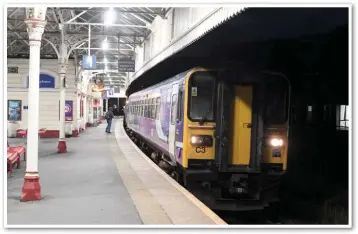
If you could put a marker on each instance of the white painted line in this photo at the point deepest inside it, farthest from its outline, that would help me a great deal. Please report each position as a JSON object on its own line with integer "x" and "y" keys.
{"x": 185, "y": 192}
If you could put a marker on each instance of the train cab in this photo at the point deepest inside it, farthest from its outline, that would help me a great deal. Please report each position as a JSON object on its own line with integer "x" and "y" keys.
{"x": 235, "y": 132}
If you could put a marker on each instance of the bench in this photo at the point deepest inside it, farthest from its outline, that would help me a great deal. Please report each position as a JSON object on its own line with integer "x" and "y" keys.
{"x": 23, "y": 133}
{"x": 14, "y": 154}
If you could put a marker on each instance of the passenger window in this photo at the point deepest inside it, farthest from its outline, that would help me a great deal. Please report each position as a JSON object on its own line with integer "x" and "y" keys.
{"x": 153, "y": 108}
{"x": 148, "y": 108}
{"x": 141, "y": 108}
{"x": 157, "y": 114}
{"x": 180, "y": 107}
{"x": 173, "y": 110}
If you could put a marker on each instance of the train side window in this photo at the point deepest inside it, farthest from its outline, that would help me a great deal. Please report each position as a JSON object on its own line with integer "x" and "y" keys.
{"x": 158, "y": 108}
{"x": 145, "y": 108}
{"x": 311, "y": 114}
{"x": 140, "y": 108}
{"x": 148, "y": 107}
{"x": 180, "y": 107}
{"x": 343, "y": 116}
{"x": 154, "y": 108}
{"x": 172, "y": 111}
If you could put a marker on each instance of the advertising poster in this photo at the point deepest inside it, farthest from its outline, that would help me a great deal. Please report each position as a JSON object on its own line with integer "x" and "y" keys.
{"x": 14, "y": 110}
{"x": 68, "y": 110}
{"x": 81, "y": 108}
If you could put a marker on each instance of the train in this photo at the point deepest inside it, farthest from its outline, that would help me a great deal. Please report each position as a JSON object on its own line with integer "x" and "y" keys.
{"x": 221, "y": 130}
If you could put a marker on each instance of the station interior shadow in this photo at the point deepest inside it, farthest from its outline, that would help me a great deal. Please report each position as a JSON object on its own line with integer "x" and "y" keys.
{"x": 310, "y": 46}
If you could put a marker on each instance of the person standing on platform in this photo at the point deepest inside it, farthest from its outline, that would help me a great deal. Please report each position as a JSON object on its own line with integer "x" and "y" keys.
{"x": 109, "y": 116}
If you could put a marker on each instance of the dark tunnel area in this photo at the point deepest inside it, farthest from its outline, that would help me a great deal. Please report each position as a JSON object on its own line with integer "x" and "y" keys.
{"x": 311, "y": 47}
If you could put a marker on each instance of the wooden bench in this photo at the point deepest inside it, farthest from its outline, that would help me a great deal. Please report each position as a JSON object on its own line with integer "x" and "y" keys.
{"x": 14, "y": 154}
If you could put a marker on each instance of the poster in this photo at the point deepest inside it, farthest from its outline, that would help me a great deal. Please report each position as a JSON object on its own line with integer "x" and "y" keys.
{"x": 68, "y": 110}
{"x": 14, "y": 110}
{"x": 81, "y": 108}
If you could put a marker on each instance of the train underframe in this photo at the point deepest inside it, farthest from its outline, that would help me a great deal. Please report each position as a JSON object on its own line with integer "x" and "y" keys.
{"x": 238, "y": 189}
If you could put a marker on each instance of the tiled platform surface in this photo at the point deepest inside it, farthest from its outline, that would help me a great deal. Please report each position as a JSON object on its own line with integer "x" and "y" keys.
{"x": 103, "y": 179}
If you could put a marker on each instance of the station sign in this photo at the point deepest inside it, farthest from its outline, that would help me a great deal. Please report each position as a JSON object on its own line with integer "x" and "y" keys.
{"x": 12, "y": 70}
{"x": 126, "y": 65}
{"x": 45, "y": 81}
{"x": 89, "y": 62}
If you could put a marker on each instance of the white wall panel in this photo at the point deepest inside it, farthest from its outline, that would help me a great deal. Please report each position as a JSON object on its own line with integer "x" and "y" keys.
{"x": 49, "y": 98}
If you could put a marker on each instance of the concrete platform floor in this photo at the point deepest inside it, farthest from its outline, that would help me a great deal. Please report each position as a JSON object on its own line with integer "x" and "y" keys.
{"x": 104, "y": 179}
{"x": 80, "y": 187}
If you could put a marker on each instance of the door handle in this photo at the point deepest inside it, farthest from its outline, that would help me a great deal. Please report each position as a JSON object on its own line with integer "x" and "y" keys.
{"x": 247, "y": 125}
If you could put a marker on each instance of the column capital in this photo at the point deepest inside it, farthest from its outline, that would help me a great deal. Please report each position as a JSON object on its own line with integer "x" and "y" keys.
{"x": 36, "y": 22}
{"x": 35, "y": 29}
{"x": 63, "y": 68}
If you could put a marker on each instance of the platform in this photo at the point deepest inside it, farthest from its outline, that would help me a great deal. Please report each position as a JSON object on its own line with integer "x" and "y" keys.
{"x": 104, "y": 179}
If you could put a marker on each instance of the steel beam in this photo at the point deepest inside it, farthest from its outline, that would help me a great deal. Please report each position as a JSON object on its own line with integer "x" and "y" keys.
{"x": 76, "y": 17}
{"x": 85, "y": 33}
{"x": 116, "y": 49}
{"x": 111, "y": 25}
{"x": 117, "y": 11}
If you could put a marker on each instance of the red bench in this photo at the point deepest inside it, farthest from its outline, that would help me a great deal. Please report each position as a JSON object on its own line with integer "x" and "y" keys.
{"x": 14, "y": 154}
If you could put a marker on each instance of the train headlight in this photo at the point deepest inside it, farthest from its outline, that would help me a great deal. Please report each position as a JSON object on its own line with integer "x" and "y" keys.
{"x": 275, "y": 142}
{"x": 201, "y": 140}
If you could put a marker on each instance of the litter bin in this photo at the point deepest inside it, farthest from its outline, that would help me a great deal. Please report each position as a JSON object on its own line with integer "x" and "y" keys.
{"x": 12, "y": 127}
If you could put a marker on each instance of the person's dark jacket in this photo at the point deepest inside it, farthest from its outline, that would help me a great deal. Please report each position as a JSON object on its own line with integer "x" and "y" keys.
{"x": 110, "y": 114}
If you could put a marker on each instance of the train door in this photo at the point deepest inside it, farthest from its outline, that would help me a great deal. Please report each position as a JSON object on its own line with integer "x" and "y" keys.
{"x": 233, "y": 125}
{"x": 241, "y": 122}
{"x": 172, "y": 121}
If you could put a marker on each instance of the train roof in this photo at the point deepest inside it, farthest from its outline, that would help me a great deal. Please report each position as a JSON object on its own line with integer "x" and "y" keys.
{"x": 165, "y": 82}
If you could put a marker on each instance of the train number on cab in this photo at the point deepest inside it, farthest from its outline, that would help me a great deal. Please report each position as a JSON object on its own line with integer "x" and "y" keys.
{"x": 200, "y": 149}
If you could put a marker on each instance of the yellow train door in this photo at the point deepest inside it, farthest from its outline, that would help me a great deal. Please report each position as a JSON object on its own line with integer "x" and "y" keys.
{"x": 241, "y": 121}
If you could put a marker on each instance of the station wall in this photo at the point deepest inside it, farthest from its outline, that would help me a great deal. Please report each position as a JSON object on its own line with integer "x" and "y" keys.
{"x": 178, "y": 21}
{"x": 17, "y": 87}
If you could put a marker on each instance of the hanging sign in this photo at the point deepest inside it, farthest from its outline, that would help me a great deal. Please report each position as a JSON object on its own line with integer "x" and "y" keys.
{"x": 126, "y": 65}
{"x": 89, "y": 62}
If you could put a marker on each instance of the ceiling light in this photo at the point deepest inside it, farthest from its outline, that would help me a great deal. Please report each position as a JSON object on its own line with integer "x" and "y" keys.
{"x": 105, "y": 44}
{"x": 109, "y": 16}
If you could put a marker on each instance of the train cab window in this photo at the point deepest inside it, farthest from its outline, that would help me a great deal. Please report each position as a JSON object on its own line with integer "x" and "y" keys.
{"x": 173, "y": 110}
{"x": 202, "y": 96}
{"x": 276, "y": 102}
{"x": 157, "y": 110}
